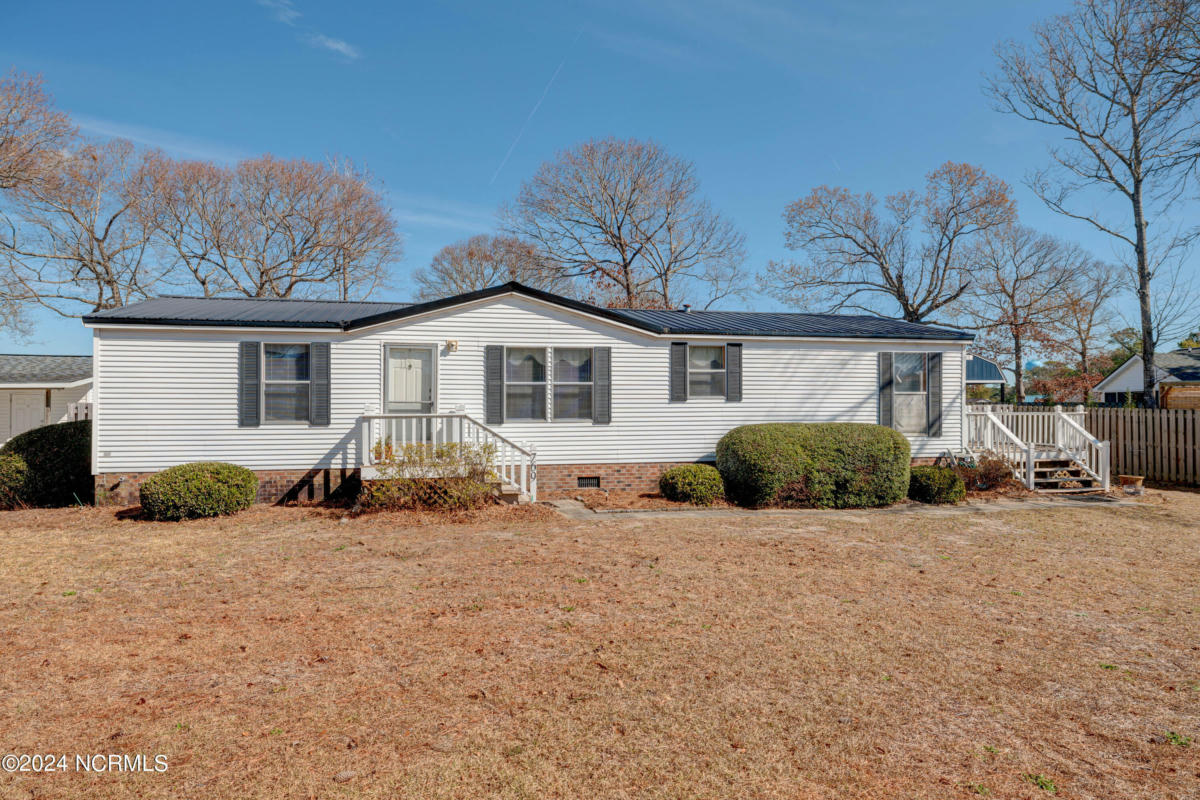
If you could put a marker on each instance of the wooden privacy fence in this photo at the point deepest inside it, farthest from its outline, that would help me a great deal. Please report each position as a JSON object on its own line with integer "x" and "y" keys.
{"x": 1163, "y": 444}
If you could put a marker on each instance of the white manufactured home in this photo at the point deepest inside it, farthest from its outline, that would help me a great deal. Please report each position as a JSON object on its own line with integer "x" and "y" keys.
{"x": 570, "y": 393}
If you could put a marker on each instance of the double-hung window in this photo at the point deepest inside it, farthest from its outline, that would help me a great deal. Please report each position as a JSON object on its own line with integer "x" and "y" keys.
{"x": 911, "y": 390}
{"x": 573, "y": 382}
{"x": 525, "y": 383}
{"x": 286, "y": 382}
{"x": 706, "y": 370}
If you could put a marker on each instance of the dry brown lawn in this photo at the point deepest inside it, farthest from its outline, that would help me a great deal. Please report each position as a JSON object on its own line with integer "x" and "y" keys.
{"x": 283, "y": 653}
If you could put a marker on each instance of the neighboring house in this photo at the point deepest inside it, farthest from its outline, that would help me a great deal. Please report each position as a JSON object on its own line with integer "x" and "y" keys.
{"x": 1177, "y": 384}
{"x": 294, "y": 389}
{"x": 41, "y": 390}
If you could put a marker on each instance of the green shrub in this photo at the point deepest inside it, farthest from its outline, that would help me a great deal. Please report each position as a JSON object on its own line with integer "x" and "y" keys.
{"x": 698, "y": 484}
{"x": 826, "y": 465}
{"x": 446, "y": 477}
{"x": 59, "y": 458}
{"x": 937, "y": 485}
{"x": 14, "y": 477}
{"x": 200, "y": 489}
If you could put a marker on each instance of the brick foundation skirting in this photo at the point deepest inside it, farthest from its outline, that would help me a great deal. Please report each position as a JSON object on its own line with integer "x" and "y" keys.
{"x": 298, "y": 485}
{"x": 274, "y": 486}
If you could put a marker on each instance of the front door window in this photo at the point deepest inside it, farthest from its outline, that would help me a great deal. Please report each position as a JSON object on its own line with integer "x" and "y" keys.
{"x": 409, "y": 380}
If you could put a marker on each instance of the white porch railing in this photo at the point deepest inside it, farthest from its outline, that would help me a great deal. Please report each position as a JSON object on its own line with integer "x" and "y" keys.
{"x": 1021, "y": 436}
{"x": 515, "y": 464}
{"x": 986, "y": 433}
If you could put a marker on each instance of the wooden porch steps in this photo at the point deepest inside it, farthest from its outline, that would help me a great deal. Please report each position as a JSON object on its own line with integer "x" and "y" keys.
{"x": 1062, "y": 476}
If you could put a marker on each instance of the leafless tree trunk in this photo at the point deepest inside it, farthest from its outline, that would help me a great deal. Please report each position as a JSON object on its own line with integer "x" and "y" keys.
{"x": 1022, "y": 289}
{"x": 274, "y": 228}
{"x": 483, "y": 261}
{"x": 1119, "y": 79}
{"x": 626, "y": 219}
{"x": 1086, "y": 321}
{"x": 75, "y": 242}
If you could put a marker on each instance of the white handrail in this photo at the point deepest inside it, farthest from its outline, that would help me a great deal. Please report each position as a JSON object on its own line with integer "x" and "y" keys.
{"x": 514, "y": 463}
{"x": 1020, "y": 455}
{"x": 1091, "y": 453}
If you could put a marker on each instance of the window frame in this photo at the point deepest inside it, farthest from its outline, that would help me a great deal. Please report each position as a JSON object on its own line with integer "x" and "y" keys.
{"x": 924, "y": 430}
{"x": 547, "y": 371}
{"x": 555, "y": 383}
{"x": 264, "y": 381}
{"x": 723, "y": 370}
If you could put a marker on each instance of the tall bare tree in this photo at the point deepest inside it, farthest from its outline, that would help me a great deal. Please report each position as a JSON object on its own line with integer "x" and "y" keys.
{"x": 626, "y": 218}
{"x": 75, "y": 240}
{"x": 1118, "y": 79}
{"x": 1085, "y": 324}
{"x": 1021, "y": 290}
{"x": 482, "y": 261}
{"x": 913, "y": 256}
{"x": 270, "y": 227}
{"x": 32, "y": 132}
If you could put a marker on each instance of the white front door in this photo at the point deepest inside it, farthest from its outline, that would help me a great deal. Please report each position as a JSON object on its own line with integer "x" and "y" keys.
{"x": 27, "y": 411}
{"x": 409, "y": 380}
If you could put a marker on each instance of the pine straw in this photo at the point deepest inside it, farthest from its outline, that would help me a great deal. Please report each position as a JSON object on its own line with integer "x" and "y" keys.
{"x": 847, "y": 654}
{"x": 610, "y": 499}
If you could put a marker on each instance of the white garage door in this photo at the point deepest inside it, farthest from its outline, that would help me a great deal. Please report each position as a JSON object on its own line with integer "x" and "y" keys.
{"x": 26, "y": 410}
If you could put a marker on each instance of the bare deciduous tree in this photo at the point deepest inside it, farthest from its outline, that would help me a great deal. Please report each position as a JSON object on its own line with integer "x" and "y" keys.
{"x": 1086, "y": 322}
{"x": 482, "y": 261}
{"x": 75, "y": 240}
{"x": 1119, "y": 79}
{"x": 914, "y": 256}
{"x": 625, "y": 217}
{"x": 32, "y": 131}
{"x": 1022, "y": 288}
{"x": 275, "y": 228}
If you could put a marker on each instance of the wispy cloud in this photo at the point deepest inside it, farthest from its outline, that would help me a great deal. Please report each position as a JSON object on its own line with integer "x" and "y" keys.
{"x": 282, "y": 10}
{"x": 648, "y": 48}
{"x": 431, "y": 212}
{"x": 339, "y": 46}
{"x": 285, "y": 11}
{"x": 175, "y": 143}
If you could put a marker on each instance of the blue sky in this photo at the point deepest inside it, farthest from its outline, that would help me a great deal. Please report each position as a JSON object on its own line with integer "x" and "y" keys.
{"x": 438, "y": 99}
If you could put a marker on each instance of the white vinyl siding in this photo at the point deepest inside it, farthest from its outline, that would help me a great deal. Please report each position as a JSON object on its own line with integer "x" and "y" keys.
{"x": 27, "y": 399}
{"x": 166, "y": 397}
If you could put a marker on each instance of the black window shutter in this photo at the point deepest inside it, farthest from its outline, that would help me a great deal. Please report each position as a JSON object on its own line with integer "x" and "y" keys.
{"x": 248, "y": 384}
{"x": 318, "y": 388}
{"x": 679, "y": 358}
{"x": 493, "y": 379}
{"x": 933, "y": 398}
{"x": 885, "y": 389}
{"x": 733, "y": 373}
{"x": 602, "y": 386}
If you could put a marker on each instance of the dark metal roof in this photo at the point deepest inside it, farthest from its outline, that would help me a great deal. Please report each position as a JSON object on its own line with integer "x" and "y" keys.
{"x": 980, "y": 370}
{"x": 1183, "y": 365}
{"x": 39, "y": 370}
{"x": 244, "y": 312}
{"x": 248, "y": 312}
{"x": 772, "y": 323}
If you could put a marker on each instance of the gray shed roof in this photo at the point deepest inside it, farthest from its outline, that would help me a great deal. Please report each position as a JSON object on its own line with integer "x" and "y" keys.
{"x": 37, "y": 370}
{"x": 1183, "y": 365}
{"x": 261, "y": 313}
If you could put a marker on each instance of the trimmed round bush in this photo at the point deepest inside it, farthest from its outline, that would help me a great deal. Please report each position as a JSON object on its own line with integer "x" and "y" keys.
{"x": 200, "y": 489}
{"x": 938, "y": 485}
{"x": 823, "y": 465}
{"x": 698, "y": 484}
{"x": 59, "y": 459}
{"x": 14, "y": 477}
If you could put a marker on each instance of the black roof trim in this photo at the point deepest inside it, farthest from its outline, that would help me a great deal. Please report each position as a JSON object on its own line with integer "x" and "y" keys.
{"x": 659, "y": 322}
